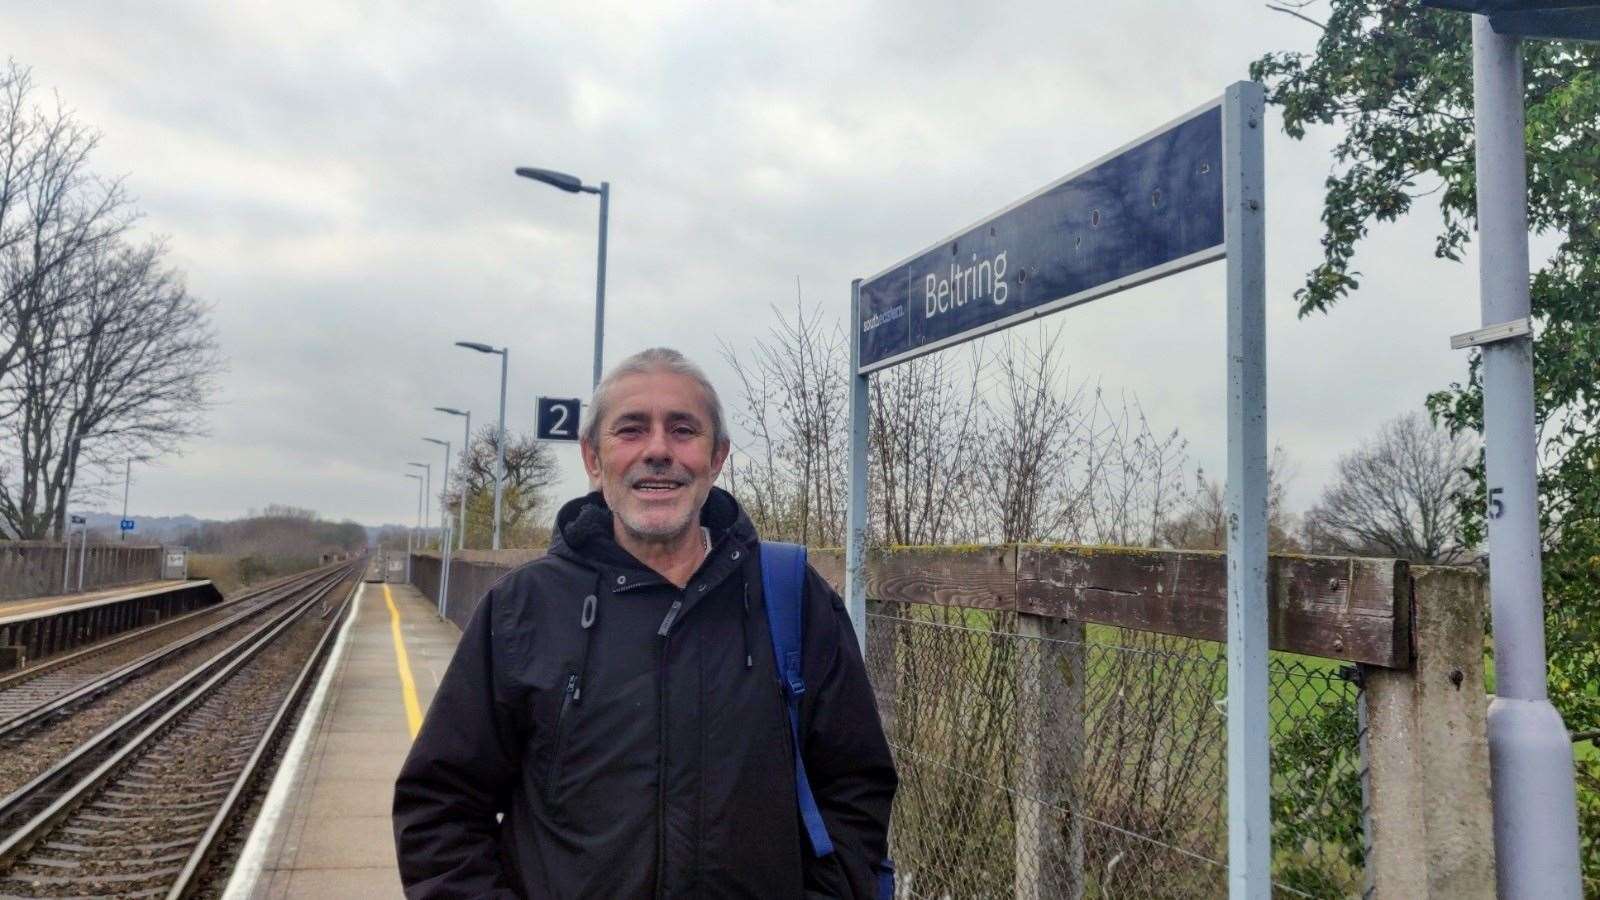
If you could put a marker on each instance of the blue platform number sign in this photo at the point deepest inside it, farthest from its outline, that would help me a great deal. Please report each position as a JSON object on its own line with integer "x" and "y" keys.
{"x": 127, "y": 524}
{"x": 558, "y": 419}
{"x": 1149, "y": 209}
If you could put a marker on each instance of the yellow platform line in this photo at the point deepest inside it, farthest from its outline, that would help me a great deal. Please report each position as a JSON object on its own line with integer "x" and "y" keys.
{"x": 408, "y": 685}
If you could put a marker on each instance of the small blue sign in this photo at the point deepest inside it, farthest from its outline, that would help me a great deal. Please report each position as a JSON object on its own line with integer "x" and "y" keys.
{"x": 127, "y": 524}
{"x": 1147, "y": 210}
{"x": 557, "y": 419}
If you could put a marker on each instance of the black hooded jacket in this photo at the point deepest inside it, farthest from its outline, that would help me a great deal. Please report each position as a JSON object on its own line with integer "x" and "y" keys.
{"x": 647, "y": 754}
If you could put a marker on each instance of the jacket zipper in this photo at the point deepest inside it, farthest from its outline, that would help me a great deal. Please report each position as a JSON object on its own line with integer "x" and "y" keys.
{"x": 665, "y": 633}
{"x": 561, "y": 721}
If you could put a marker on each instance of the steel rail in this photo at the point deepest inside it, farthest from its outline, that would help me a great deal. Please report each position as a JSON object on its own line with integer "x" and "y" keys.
{"x": 22, "y": 676}
{"x": 159, "y": 707}
{"x": 100, "y": 684}
{"x": 210, "y": 841}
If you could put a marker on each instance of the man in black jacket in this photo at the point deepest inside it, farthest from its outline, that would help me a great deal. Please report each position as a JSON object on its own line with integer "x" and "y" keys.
{"x": 612, "y": 725}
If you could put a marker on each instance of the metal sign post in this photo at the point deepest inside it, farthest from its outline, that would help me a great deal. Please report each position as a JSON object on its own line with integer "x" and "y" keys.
{"x": 1189, "y": 193}
{"x": 1249, "y": 787}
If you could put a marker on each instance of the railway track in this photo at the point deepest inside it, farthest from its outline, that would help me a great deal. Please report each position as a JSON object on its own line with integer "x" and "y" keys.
{"x": 137, "y": 810}
{"x": 54, "y": 715}
{"x": 24, "y": 690}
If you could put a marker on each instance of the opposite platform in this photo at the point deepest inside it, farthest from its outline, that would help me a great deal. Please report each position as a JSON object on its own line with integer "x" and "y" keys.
{"x": 324, "y": 829}
{"x": 57, "y": 603}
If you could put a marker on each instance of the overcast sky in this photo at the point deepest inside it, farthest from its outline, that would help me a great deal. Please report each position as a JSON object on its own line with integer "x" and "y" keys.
{"x": 336, "y": 178}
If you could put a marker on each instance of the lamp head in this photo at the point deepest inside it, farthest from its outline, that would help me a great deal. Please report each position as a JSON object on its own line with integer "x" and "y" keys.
{"x": 481, "y": 348}
{"x": 1577, "y": 20}
{"x": 569, "y": 183}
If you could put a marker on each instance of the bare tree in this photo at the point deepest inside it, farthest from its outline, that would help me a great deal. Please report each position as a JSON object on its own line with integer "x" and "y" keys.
{"x": 1061, "y": 461}
{"x": 1396, "y": 495}
{"x": 789, "y": 462}
{"x": 122, "y": 368}
{"x": 1202, "y": 521}
{"x": 1026, "y": 468}
{"x": 52, "y": 210}
{"x": 925, "y": 419}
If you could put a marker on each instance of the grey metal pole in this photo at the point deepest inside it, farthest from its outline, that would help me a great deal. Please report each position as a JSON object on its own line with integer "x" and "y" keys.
{"x": 500, "y": 447}
{"x": 410, "y": 535}
{"x": 127, "y": 477}
{"x": 66, "y": 527}
{"x": 461, "y": 506}
{"x": 1530, "y": 751}
{"x": 66, "y": 560}
{"x": 600, "y": 282}
{"x": 855, "y": 553}
{"x": 444, "y": 574}
{"x": 422, "y": 506}
{"x": 83, "y": 550}
{"x": 1249, "y": 782}
{"x": 444, "y": 534}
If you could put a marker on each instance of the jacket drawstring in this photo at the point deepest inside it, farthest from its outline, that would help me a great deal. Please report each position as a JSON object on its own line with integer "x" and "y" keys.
{"x": 591, "y": 613}
{"x": 749, "y": 661}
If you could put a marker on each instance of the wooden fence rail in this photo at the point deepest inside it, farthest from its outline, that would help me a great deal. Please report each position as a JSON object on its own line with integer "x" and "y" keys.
{"x": 1351, "y": 609}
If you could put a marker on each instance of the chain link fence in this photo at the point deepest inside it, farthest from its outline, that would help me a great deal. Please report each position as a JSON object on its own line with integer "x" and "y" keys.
{"x": 1041, "y": 758}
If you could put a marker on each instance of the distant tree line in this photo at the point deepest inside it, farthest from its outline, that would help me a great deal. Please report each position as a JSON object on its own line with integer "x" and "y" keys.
{"x": 280, "y": 532}
{"x": 104, "y": 354}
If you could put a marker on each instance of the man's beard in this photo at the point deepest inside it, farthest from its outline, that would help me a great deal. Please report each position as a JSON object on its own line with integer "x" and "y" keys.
{"x": 639, "y": 527}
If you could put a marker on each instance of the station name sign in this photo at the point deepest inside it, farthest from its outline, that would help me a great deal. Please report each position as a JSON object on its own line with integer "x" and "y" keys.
{"x": 1149, "y": 209}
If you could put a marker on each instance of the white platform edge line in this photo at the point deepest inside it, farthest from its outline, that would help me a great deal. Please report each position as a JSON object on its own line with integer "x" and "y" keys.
{"x": 252, "y": 859}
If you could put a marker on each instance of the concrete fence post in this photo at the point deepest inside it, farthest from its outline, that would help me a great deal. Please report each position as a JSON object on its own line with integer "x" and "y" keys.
{"x": 1049, "y": 723}
{"x": 1425, "y": 750}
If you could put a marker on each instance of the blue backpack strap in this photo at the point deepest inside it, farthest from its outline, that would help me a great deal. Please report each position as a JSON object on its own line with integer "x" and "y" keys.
{"x": 783, "y": 579}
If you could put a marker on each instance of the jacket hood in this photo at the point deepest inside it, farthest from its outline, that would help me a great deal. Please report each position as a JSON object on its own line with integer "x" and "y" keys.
{"x": 584, "y": 532}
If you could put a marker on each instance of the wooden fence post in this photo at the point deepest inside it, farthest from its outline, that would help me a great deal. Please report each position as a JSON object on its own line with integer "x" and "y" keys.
{"x": 883, "y": 662}
{"x": 1049, "y": 724}
{"x": 1425, "y": 750}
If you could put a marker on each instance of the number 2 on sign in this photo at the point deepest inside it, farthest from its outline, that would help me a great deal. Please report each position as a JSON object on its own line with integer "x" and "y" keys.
{"x": 560, "y": 426}
{"x": 1496, "y": 506}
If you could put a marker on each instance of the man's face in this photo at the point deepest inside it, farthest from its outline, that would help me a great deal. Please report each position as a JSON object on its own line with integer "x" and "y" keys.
{"x": 657, "y": 458}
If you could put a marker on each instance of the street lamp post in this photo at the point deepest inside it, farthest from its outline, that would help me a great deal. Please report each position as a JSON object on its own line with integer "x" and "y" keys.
{"x": 466, "y": 447}
{"x": 444, "y": 530}
{"x": 1530, "y": 751}
{"x": 419, "y": 520}
{"x": 500, "y": 443}
{"x": 427, "y": 491}
{"x": 573, "y": 185}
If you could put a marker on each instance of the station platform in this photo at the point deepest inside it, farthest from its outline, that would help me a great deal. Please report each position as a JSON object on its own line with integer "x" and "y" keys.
{"x": 55, "y": 603}
{"x": 324, "y": 828}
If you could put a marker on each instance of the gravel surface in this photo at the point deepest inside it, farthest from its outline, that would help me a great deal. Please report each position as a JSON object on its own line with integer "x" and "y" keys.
{"x": 134, "y": 836}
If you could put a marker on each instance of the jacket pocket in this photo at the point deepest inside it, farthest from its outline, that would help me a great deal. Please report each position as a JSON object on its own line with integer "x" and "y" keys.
{"x": 554, "y": 775}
